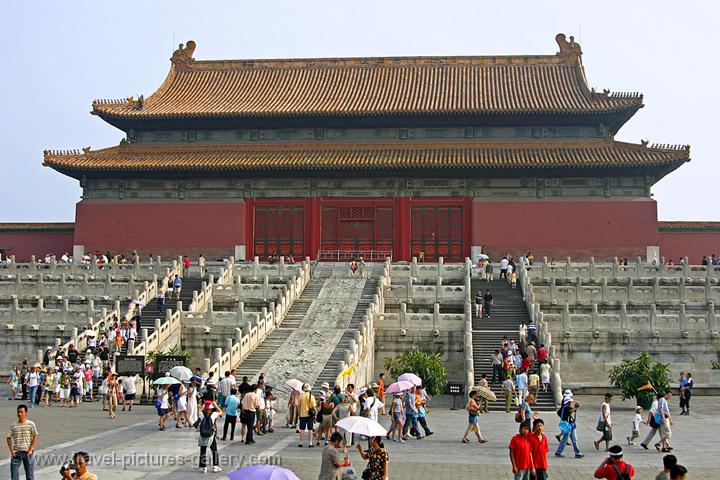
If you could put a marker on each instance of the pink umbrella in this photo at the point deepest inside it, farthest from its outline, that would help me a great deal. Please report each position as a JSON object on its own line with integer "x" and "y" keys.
{"x": 400, "y": 386}
{"x": 410, "y": 377}
{"x": 294, "y": 384}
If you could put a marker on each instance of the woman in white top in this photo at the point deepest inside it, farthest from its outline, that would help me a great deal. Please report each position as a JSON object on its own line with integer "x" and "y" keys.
{"x": 192, "y": 410}
{"x": 545, "y": 375}
{"x": 182, "y": 414}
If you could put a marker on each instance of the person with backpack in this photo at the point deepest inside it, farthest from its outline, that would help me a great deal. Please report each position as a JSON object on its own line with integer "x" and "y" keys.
{"x": 567, "y": 414}
{"x": 208, "y": 433}
{"x": 614, "y": 467}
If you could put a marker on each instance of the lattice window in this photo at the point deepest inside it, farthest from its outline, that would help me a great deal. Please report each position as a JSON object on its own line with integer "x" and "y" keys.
{"x": 357, "y": 213}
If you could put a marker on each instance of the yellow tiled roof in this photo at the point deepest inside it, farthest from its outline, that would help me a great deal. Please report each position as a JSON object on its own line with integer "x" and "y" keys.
{"x": 352, "y": 87}
{"x": 395, "y": 155}
{"x": 679, "y": 226}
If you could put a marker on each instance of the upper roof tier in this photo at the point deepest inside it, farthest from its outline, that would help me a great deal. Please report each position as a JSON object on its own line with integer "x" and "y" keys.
{"x": 482, "y": 90}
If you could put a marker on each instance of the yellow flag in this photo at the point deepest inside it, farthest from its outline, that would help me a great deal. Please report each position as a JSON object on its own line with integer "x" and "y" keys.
{"x": 647, "y": 386}
{"x": 347, "y": 371}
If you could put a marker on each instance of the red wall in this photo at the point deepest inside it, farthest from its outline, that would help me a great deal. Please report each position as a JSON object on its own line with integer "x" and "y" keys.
{"x": 26, "y": 244}
{"x": 166, "y": 228}
{"x": 579, "y": 228}
{"x": 693, "y": 245}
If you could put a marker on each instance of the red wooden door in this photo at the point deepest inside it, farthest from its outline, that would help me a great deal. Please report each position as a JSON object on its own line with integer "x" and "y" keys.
{"x": 437, "y": 231}
{"x": 357, "y": 230}
{"x": 279, "y": 229}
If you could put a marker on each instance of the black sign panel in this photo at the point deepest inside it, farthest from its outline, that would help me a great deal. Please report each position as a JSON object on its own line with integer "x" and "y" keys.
{"x": 454, "y": 388}
{"x": 163, "y": 364}
{"x": 130, "y": 364}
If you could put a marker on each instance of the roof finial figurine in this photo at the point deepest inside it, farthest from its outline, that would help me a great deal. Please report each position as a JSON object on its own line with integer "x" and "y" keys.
{"x": 184, "y": 54}
{"x": 568, "y": 48}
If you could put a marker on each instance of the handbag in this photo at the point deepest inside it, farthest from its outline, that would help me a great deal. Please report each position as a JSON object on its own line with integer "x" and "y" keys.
{"x": 366, "y": 474}
{"x": 565, "y": 427}
{"x": 518, "y": 417}
{"x": 601, "y": 426}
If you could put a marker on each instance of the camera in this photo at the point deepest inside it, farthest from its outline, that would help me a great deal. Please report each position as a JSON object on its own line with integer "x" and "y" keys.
{"x": 68, "y": 466}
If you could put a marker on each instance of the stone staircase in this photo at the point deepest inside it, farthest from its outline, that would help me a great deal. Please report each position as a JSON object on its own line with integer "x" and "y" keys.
{"x": 331, "y": 369}
{"x": 508, "y": 314}
{"x": 150, "y": 311}
{"x": 294, "y": 317}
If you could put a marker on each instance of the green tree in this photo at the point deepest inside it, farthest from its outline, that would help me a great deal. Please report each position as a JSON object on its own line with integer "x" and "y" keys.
{"x": 427, "y": 366}
{"x": 633, "y": 373}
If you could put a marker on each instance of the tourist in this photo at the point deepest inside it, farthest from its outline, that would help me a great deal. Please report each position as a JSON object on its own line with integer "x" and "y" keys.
{"x": 14, "y": 381}
{"x": 33, "y": 382}
{"x": 306, "y": 411}
{"x": 244, "y": 387}
{"x": 177, "y": 286}
{"x": 504, "y": 267}
{"x": 22, "y": 439}
{"x": 48, "y": 378}
{"x": 79, "y": 468}
{"x": 331, "y": 465}
{"x": 160, "y": 302}
{"x": 325, "y": 408}
{"x": 224, "y": 387}
{"x": 373, "y": 405}
{"x": 192, "y": 392}
{"x": 508, "y": 388}
{"x": 473, "y": 409}
{"x": 250, "y": 405}
{"x": 344, "y": 410}
{"x": 521, "y": 457}
{"x": 488, "y": 303}
{"x": 381, "y": 392}
{"x": 521, "y": 381}
{"x": 353, "y": 267}
{"x": 568, "y": 414}
{"x": 540, "y": 449}
{"x": 605, "y": 424}
{"x": 65, "y": 380}
{"x": 292, "y": 416}
{"x": 186, "y": 266}
{"x": 666, "y": 422}
{"x": 545, "y": 375}
{"x": 478, "y": 303}
{"x": 232, "y": 402}
{"x": 489, "y": 271}
{"x": 614, "y": 467}
{"x": 260, "y": 418}
{"x": 411, "y": 416}
{"x": 397, "y": 414}
{"x": 635, "y": 429}
{"x": 201, "y": 265}
{"x": 525, "y": 411}
{"x": 129, "y": 392}
{"x": 182, "y": 400}
{"x": 496, "y": 361}
{"x": 163, "y": 406}
{"x": 208, "y": 433}
{"x": 378, "y": 460}
{"x": 678, "y": 472}
{"x": 669, "y": 461}
{"x": 270, "y": 408}
{"x": 685, "y": 394}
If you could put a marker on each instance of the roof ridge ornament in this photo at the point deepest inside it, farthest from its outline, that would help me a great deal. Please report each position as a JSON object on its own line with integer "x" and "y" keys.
{"x": 569, "y": 49}
{"x": 183, "y": 56}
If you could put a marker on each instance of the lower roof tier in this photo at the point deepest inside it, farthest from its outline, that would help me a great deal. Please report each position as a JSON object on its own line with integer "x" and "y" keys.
{"x": 314, "y": 159}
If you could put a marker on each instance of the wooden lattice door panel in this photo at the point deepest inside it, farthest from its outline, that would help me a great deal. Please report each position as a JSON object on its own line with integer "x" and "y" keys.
{"x": 437, "y": 231}
{"x": 279, "y": 230}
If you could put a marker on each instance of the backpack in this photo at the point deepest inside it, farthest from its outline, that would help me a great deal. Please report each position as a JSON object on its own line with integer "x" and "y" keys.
{"x": 622, "y": 475}
{"x": 207, "y": 429}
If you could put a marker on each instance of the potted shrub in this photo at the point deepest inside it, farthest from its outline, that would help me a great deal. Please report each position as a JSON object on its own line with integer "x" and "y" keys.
{"x": 425, "y": 365}
{"x": 634, "y": 373}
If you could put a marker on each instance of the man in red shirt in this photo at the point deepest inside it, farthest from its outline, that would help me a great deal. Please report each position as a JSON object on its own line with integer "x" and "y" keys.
{"x": 521, "y": 453}
{"x": 614, "y": 467}
{"x": 542, "y": 353}
{"x": 539, "y": 446}
{"x": 186, "y": 265}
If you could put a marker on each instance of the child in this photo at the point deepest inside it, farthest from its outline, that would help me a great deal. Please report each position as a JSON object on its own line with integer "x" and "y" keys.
{"x": 513, "y": 279}
{"x": 521, "y": 453}
{"x": 637, "y": 420}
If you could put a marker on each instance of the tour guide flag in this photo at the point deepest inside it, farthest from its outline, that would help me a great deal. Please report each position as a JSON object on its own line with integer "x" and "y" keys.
{"x": 347, "y": 371}
{"x": 647, "y": 386}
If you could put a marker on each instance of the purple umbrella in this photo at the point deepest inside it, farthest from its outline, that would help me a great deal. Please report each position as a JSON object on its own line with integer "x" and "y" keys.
{"x": 262, "y": 472}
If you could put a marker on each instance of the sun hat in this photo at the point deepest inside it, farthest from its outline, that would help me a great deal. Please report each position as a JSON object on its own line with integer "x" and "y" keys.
{"x": 325, "y": 385}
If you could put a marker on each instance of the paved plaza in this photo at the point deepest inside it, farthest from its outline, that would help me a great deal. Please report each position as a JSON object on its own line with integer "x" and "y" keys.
{"x": 131, "y": 447}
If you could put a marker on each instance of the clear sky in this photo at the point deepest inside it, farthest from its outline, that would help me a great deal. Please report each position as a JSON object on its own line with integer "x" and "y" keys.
{"x": 60, "y": 55}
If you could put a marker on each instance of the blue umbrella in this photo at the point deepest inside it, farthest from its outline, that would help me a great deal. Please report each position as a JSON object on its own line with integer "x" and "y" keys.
{"x": 262, "y": 472}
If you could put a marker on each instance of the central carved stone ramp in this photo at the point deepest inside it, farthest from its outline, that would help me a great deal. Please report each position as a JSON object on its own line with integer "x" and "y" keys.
{"x": 507, "y": 316}
{"x": 332, "y": 368}
{"x": 252, "y": 365}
